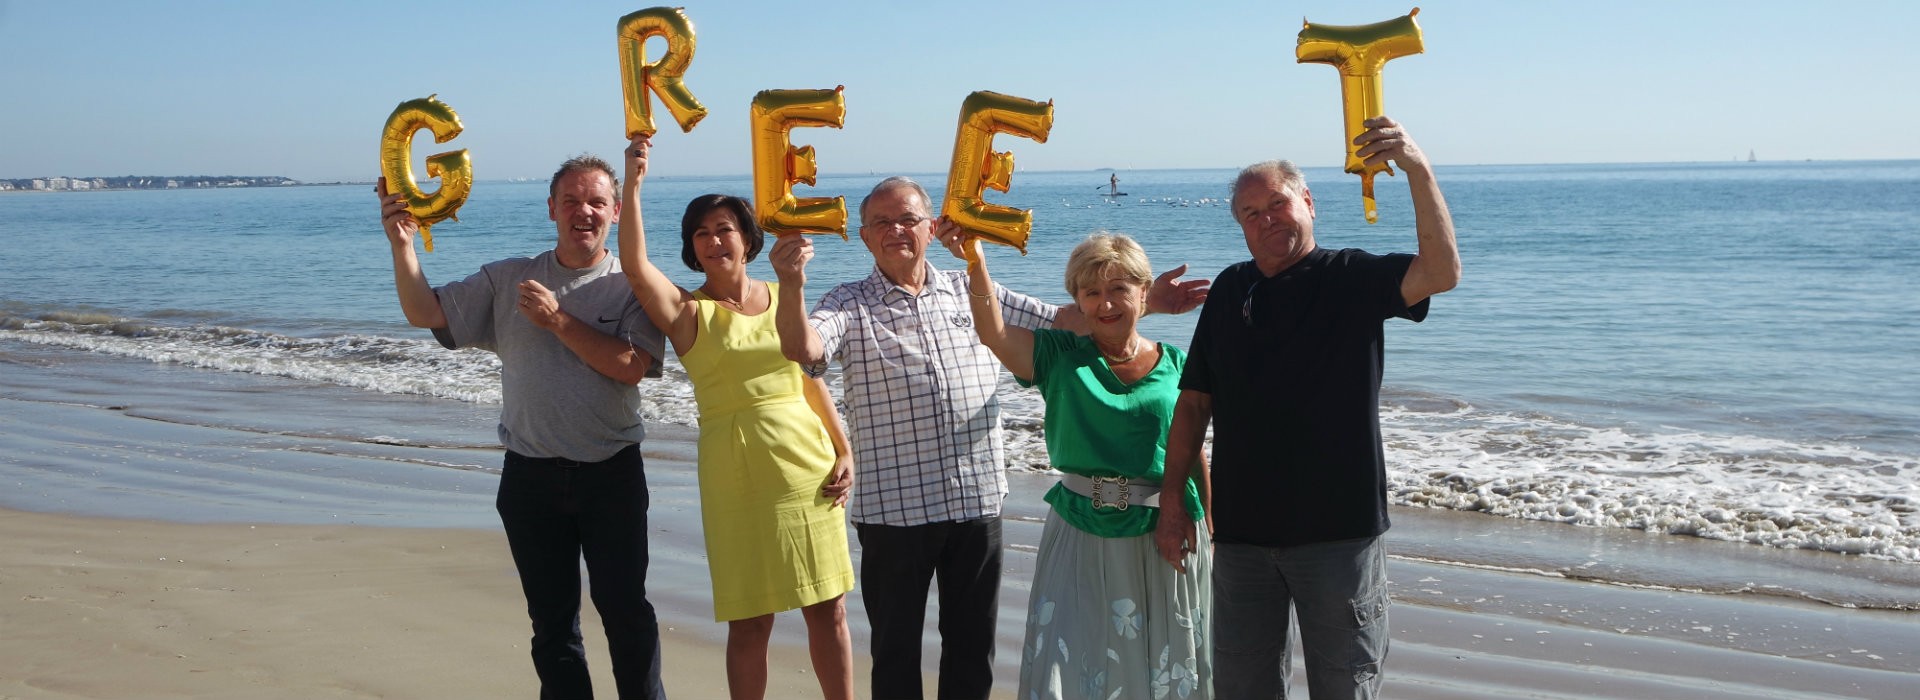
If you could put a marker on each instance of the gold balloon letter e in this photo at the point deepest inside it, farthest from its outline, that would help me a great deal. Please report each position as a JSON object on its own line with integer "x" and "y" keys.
{"x": 976, "y": 166}
{"x": 662, "y": 76}
{"x": 777, "y": 164}
{"x": 1360, "y": 52}
{"x": 454, "y": 168}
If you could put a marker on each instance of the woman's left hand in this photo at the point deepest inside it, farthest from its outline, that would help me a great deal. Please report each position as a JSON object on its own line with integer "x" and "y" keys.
{"x": 839, "y": 481}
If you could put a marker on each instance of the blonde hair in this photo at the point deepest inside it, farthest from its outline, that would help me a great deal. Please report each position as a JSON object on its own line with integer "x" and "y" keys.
{"x": 1096, "y": 259}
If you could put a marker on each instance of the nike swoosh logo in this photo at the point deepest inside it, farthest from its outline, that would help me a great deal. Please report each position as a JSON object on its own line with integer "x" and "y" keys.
{"x": 609, "y": 320}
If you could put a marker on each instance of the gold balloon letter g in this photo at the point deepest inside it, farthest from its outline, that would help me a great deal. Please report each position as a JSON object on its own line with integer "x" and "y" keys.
{"x": 976, "y": 166}
{"x": 777, "y": 164}
{"x": 663, "y": 76}
{"x": 1360, "y": 52}
{"x": 454, "y": 168}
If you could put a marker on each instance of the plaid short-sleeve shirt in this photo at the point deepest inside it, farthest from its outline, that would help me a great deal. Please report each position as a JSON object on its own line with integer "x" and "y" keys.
{"x": 919, "y": 390}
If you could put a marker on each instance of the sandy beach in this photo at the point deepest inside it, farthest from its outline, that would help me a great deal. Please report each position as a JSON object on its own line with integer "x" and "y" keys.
{"x": 176, "y": 537}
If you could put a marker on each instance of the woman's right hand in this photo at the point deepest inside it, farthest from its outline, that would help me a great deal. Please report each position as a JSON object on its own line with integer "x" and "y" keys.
{"x": 636, "y": 157}
{"x": 963, "y": 245}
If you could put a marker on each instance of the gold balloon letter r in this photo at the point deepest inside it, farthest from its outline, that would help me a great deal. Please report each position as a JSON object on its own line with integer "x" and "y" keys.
{"x": 662, "y": 76}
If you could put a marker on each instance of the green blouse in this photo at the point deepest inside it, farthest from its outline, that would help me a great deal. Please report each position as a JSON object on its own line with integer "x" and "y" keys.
{"x": 1097, "y": 426}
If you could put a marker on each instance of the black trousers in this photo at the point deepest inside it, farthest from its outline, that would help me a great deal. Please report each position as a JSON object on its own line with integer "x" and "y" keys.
{"x": 896, "y": 564}
{"x": 555, "y": 511}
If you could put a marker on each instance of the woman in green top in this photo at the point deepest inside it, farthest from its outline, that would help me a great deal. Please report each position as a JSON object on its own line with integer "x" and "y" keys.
{"x": 1107, "y": 617}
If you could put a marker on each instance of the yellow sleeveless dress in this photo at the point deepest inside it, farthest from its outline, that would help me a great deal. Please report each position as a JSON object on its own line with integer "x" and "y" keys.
{"x": 773, "y": 543}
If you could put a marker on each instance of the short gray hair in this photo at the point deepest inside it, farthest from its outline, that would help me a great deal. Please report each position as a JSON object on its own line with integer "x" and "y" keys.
{"x": 897, "y": 182}
{"x": 1283, "y": 171}
{"x": 584, "y": 162}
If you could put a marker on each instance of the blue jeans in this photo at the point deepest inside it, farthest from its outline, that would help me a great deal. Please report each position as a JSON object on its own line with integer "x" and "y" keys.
{"x": 896, "y": 564}
{"x": 555, "y": 511}
{"x": 1339, "y": 589}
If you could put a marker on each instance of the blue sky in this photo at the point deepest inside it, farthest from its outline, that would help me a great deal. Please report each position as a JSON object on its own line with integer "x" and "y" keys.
{"x": 302, "y": 89}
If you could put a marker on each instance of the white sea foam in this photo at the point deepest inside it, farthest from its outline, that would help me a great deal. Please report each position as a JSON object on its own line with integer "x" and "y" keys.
{"x": 1441, "y": 453}
{"x": 1740, "y": 488}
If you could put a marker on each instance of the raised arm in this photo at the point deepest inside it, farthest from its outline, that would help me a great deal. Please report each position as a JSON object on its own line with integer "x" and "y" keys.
{"x": 417, "y": 300}
{"x": 1436, "y": 267}
{"x": 839, "y": 484}
{"x": 798, "y": 340}
{"x": 1013, "y": 345}
{"x": 1174, "y": 534}
{"x": 671, "y": 308}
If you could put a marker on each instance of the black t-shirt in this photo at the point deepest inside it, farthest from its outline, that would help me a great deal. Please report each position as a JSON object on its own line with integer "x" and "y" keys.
{"x": 1294, "y": 376}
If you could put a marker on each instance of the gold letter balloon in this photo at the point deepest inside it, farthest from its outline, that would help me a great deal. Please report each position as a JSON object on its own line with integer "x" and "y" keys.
{"x": 662, "y": 76}
{"x": 777, "y": 164}
{"x": 976, "y": 166}
{"x": 454, "y": 168}
{"x": 1360, "y": 52}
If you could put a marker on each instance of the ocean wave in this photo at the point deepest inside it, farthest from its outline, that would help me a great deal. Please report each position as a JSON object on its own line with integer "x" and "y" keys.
{"x": 1441, "y": 452}
{"x": 1766, "y": 491}
{"x": 370, "y": 362}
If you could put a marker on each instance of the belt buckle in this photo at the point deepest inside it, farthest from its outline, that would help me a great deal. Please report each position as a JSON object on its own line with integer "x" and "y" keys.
{"x": 1098, "y": 502}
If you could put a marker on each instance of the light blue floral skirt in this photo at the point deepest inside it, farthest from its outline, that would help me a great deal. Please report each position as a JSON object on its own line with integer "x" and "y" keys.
{"x": 1108, "y": 619}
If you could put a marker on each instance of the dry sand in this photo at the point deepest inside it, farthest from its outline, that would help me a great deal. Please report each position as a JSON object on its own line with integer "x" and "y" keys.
{"x": 100, "y": 608}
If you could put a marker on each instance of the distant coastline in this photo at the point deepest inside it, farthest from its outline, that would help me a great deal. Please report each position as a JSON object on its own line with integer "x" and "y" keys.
{"x": 144, "y": 182}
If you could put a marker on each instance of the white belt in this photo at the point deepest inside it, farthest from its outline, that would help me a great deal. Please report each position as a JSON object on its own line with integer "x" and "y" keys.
{"x": 1115, "y": 492}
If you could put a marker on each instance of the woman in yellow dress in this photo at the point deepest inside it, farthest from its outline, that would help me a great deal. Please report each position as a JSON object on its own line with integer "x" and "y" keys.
{"x": 775, "y": 464}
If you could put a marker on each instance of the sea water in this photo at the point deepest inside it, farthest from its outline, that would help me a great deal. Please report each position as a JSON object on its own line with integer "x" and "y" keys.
{"x": 1720, "y": 350}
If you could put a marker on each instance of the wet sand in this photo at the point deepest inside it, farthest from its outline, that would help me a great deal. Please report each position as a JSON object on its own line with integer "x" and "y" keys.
{"x": 174, "y": 533}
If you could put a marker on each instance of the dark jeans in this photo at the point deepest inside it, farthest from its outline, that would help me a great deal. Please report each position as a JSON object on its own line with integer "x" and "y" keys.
{"x": 1339, "y": 591}
{"x": 555, "y": 511}
{"x": 896, "y": 564}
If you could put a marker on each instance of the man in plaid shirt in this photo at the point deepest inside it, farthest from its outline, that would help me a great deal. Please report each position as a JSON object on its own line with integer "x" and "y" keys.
{"x": 919, "y": 390}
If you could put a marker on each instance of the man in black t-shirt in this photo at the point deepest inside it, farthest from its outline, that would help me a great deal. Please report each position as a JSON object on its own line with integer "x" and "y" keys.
{"x": 1286, "y": 363}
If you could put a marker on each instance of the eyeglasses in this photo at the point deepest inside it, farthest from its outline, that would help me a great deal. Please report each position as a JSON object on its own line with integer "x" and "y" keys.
{"x": 906, "y": 222}
{"x": 1246, "y": 307}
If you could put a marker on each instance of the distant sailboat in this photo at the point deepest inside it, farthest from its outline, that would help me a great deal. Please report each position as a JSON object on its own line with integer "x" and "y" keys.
{"x": 1750, "y": 157}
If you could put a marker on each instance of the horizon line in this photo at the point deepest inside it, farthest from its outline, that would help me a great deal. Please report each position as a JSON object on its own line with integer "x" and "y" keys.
{"x": 876, "y": 173}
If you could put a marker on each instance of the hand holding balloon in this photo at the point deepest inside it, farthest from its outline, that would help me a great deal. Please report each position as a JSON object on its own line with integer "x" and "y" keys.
{"x": 1385, "y": 140}
{"x": 636, "y": 157}
{"x": 394, "y": 217}
{"x": 1360, "y": 52}
{"x": 957, "y": 240}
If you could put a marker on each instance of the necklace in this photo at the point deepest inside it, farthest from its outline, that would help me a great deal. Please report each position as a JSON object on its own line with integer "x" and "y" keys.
{"x": 735, "y": 303}
{"x": 1131, "y": 352}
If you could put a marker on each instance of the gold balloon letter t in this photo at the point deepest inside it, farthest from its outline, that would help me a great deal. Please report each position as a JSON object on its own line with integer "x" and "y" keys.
{"x": 1360, "y": 52}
